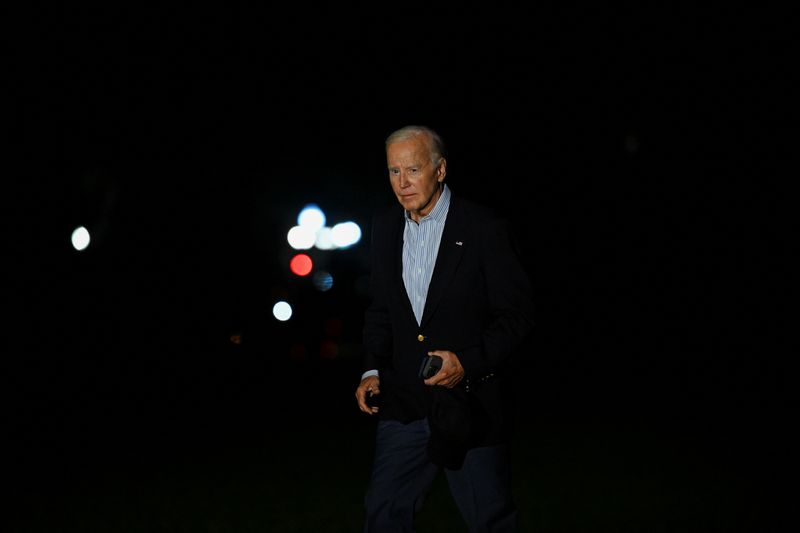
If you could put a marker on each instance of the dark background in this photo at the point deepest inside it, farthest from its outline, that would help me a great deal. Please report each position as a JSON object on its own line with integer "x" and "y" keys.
{"x": 639, "y": 154}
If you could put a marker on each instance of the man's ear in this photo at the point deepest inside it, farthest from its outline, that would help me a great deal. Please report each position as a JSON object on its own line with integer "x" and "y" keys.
{"x": 441, "y": 170}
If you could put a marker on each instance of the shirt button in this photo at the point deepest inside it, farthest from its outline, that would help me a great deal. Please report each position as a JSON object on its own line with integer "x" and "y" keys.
{"x": 420, "y": 338}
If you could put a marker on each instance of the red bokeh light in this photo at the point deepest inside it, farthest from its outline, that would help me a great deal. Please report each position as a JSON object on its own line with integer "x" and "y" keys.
{"x": 301, "y": 265}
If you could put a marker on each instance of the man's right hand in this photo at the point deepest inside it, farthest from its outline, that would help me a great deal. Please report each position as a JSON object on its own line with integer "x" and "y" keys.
{"x": 370, "y": 385}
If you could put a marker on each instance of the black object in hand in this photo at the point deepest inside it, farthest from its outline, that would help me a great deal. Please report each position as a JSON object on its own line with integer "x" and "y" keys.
{"x": 430, "y": 366}
{"x": 372, "y": 400}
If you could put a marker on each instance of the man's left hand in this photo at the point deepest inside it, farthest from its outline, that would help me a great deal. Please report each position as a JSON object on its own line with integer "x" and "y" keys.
{"x": 451, "y": 372}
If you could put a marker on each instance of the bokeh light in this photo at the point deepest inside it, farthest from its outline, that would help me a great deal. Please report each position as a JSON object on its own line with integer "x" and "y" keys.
{"x": 323, "y": 281}
{"x": 301, "y": 265}
{"x": 301, "y": 237}
{"x": 345, "y": 234}
{"x": 324, "y": 239}
{"x": 80, "y": 238}
{"x": 312, "y": 217}
{"x": 282, "y": 311}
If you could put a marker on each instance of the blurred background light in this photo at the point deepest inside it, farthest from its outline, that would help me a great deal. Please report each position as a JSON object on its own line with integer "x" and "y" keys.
{"x": 301, "y": 237}
{"x": 80, "y": 238}
{"x": 324, "y": 239}
{"x": 322, "y": 280}
{"x": 301, "y": 265}
{"x": 328, "y": 349}
{"x": 282, "y": 311}
{"x": 345, "y": 234}
{"x": 311, "y": 216}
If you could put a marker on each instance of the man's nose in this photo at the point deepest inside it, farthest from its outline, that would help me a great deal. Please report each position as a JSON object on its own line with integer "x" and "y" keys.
{"x": 404, "y": 181}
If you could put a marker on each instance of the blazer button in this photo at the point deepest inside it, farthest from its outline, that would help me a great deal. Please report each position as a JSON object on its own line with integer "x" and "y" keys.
{"x": 420, "y": 338}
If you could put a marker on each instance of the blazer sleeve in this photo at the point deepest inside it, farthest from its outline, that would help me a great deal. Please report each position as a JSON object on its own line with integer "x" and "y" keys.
{"x": 510, "y": 303}
{"x": 377, "y": 329}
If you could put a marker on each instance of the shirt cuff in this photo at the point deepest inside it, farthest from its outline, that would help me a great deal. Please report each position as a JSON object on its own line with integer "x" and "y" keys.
{"x": 369, "y": 373}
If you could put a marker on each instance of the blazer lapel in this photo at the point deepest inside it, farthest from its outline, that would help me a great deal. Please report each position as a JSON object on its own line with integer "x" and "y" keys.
{"x": 398, "y": 265}
{"x": 451, "y": 248}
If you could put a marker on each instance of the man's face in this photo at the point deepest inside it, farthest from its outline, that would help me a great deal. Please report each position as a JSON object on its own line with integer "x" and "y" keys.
{"x": 415, "y": 179}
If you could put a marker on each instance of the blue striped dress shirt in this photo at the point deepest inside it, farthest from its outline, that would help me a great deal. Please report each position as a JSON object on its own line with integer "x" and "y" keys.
{"x": 420, "y": 247}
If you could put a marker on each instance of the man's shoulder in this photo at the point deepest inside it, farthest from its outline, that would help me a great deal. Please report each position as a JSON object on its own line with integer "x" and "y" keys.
{"x": 479, "y": 213}
{"x": 486, "y": 221}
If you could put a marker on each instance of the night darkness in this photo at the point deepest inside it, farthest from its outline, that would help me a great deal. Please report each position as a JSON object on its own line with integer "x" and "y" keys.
{"x": 639, "y": 154}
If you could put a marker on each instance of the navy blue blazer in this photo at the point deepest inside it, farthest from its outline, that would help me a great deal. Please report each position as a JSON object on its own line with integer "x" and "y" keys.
{"x": 478, "y": 306}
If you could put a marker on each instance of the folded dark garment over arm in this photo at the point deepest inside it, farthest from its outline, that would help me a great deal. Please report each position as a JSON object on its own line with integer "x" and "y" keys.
{"x": 455, "y": 426}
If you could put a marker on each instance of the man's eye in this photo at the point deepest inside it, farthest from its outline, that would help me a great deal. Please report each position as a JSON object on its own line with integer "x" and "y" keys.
{"x": 413, "y": 170}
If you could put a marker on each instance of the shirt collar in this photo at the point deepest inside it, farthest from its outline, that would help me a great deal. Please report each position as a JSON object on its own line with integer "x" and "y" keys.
{"x": 439, "y": 211}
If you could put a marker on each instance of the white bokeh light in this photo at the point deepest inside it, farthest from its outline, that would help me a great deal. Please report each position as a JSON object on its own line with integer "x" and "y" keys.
{"x": 345, "y": 234}
{"x": 282, "y": 311}
{"x": 301, "y": 237}
{"x": 311, "y": 217}
{"x": 324, "y": 239}
{"x": 80, "y": 238}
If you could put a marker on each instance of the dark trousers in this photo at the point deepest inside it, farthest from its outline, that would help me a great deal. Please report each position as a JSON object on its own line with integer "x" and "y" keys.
{"x": 402, "y": 475}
